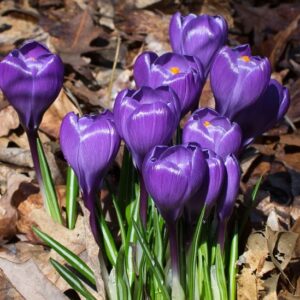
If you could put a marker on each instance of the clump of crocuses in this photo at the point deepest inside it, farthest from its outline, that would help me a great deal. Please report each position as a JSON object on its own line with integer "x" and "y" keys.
{"x": 198, "y": 178}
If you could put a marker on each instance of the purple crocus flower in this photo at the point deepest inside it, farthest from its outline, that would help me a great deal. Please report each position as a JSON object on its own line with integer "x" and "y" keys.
{"x": 238, "y": 79}
{"x": 263, "y": 114}
{"x": 145, "y": 118}
{"x": 89, "y": 145}
{"x": 172, "y": 176}
{"x": 210, "y": 189}
{"x": 212, "y": 131}
{"x": 184, "y": 74}
{"x": 31, "y": 78}
{"x": 229, "y": 193}
{"x": 201, "y": 36}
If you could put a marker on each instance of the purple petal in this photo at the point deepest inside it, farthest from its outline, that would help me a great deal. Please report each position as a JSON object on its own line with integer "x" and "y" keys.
{"x": 230, "y": 188}
{"x": 210, "y": 188}
{"x": 150, "y": 125}
{"x": 264, "y": 113}
{"x": 33, "y": 49}
{"x": 230, "y": 142}
{"x": 203, "y": 37}
{"x": 142, "y": 67}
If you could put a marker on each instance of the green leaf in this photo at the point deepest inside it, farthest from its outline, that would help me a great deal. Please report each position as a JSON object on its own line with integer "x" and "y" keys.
{"x": 121, "y": 284}
{"x": 192, "y": 258}
{"x": 120, "y": 220}
{"x": 108, "y": 240}
{"x": 127, "y": 180}
{"x": 76, "y": 262}
{"x": 51, "y": 198}
{"x": 205, "y": 288}
{"x": 220, "y": 273}
{"x": 71, "y": 198}
{"x": 71, "y": 279}
{"x": 153, "y": 263}
{"x": 232, "y": 263}
{"x": 256, "y": 188}
{"x": 131, "y": 238}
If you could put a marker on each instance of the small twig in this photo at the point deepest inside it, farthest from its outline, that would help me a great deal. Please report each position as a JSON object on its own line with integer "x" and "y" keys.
{"x": 109, "y": 90}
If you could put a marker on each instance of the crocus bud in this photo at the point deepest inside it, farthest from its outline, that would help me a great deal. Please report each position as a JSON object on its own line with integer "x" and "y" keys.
{"x": 184, "y": 74}
{"x": 172, "y": 176}
{"x": 31, "y": 78}
{"x": 264, "y": 113}
{"x": 210, "y": 188}
{"x": 229, "y": 193}
{"x": 212, "y": 131}
{"x": 238, "y": 79}
{"x": 146, "y": 118}
{"x": 201, "y": 36}
{"x": 89, "y": 145}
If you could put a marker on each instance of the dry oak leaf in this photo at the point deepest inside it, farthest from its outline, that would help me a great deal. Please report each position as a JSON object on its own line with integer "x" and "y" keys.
{"x": 9, "y": 120}
{"x": 29, "y": 281}
{"x": 54, "y": 115}
{"x": 8, "y": 213}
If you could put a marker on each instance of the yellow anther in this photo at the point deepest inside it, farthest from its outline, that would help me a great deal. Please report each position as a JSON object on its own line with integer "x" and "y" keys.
{"x": 206, "y": 123}
{"x": 175, "y": 70}
{"x": 245, "y": 58}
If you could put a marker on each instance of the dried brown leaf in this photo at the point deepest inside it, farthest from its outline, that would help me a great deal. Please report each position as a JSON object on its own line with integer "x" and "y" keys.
{"x": 9, "y": 120}
{"x": 54, "y": 115}
{"x": 29, "y": 280}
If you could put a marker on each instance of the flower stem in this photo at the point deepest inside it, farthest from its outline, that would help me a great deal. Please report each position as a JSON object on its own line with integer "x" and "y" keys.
{"x": 32, "y": 139}
{"x": 222, "y": 226}
{"x": 90, "y": 200}
{"x": 143, "y": 201}
{"x": 172, "y": 229}
{"x": 44, "y": 177}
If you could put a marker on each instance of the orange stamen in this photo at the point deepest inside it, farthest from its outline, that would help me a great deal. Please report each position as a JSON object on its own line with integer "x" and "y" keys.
{"x": 245, "y": 58}
{"x": 175, "y": 70}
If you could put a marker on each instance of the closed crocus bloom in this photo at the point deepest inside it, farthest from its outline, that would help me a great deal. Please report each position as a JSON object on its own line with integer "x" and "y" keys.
{"x": 264, "y": 113}
{"x": 89, "y": 145}
{"x": 172, "y": 175}
{"x": 229, "y": 193}
{"x": 31, "y": 78}
{"x": 201, "y": 36}
{"x": 210, "y": 189}
{"x": 212, "y": 131}
{"x": 238, "y": 79}
{"x": 184, "y": 74}
{"x": 146, "y": 118}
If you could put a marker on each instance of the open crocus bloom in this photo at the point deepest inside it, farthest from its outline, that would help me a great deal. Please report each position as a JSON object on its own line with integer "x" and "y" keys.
{"x": 213, "y": 131}
{"x": 200, "y": 36}
{"x": 184, "y": 74}
{"x": 31, "y": 78}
